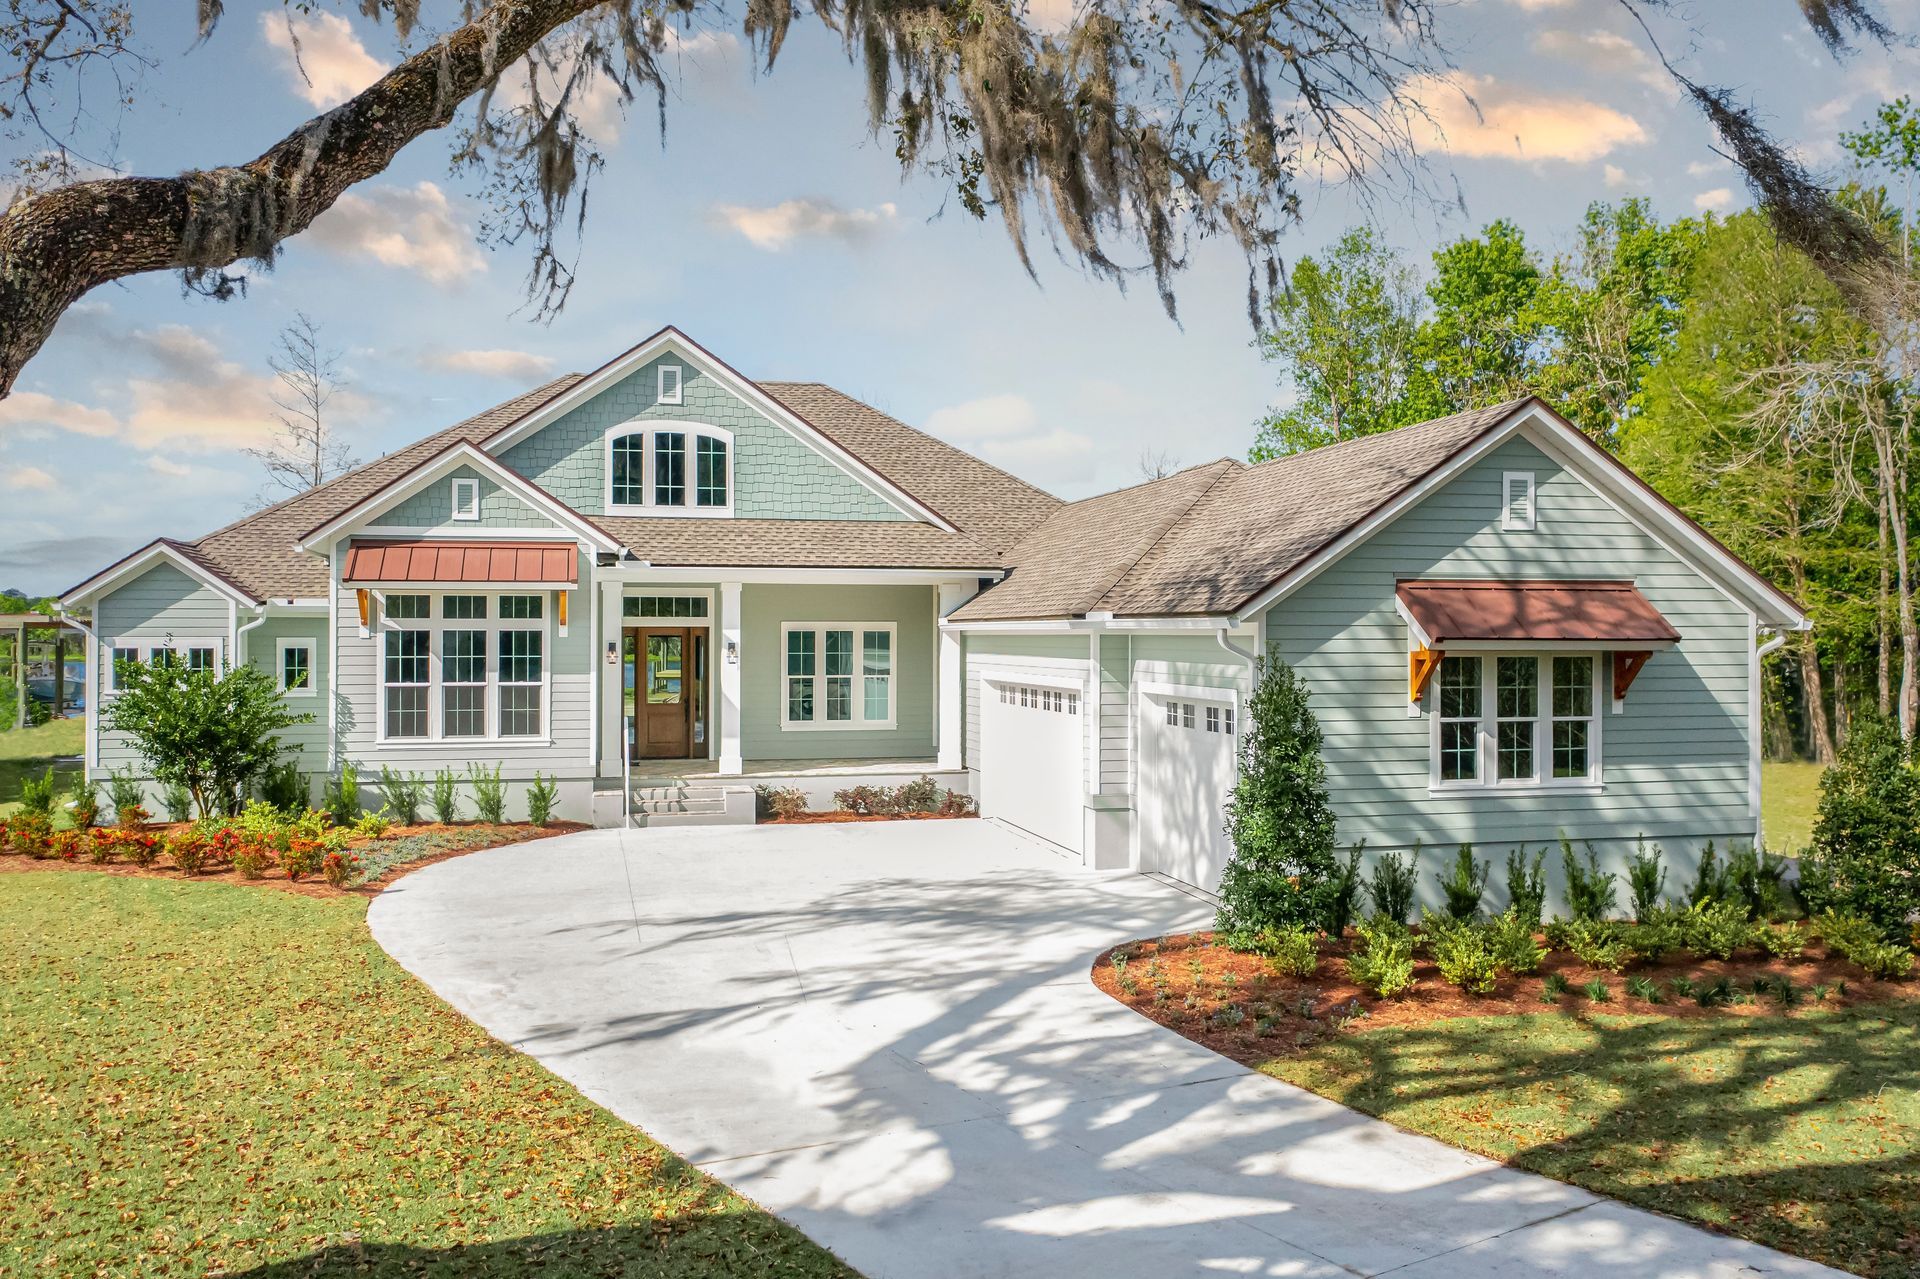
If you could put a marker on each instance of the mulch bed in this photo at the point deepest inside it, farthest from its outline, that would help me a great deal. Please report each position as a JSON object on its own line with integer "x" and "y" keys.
{"x": 1305, "y": 1011}
{"x": 842, "y": 815}
{"x": 509, "y": 833}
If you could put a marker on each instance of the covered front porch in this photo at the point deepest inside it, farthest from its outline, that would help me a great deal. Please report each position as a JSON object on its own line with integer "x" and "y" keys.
{"x": 754, "y": 770}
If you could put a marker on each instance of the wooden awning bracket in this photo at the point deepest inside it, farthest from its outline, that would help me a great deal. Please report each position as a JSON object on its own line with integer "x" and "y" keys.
{"x": 1421, "y": 664}
{"x": 1626, "y": 667}
{"x": 362, "y": 594}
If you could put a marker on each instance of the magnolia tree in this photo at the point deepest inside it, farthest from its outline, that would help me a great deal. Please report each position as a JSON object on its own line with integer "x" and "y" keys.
{"x": 212, "y": 732}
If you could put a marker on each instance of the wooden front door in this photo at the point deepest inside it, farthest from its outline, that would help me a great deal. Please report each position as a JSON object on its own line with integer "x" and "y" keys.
{"x": 662, "y": 691}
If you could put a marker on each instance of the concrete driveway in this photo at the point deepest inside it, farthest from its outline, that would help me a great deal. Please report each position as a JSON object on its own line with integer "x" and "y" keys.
{"x": 886, "y": 1034}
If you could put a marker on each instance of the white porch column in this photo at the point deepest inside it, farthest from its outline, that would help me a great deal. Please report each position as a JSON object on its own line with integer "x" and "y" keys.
{"x": 953, "y": 689}
{"x": 729, "y": 659}
{"x": 605, "y": 628}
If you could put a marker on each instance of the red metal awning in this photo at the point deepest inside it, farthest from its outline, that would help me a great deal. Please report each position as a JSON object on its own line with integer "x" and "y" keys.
{"x": 1608, "y": 614}
{"x": 427, "y": 563}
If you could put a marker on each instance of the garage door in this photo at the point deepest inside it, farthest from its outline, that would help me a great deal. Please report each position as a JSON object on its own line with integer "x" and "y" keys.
{"x": 1186, "y": 771}
{"x": 1032, "y": 748}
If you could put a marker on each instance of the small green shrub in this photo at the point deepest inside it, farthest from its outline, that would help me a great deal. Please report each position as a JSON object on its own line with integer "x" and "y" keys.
{"x": 84, "y": 810}
{"x": 1756, "y": 878}
{"x": 1510, "y": 935}
{"x": 1598, "y": 991}
{"x": 285, "y": 787}
{"x": 1527, "y": 885}
{"x": 1884, "y": 961}
{"x": 489, "y": 794}
{"x": 1392, "y": 885}
{"x": 125, "y": 791}
{"x": 921, "y": 795}
{"x": 542, "y": 792}
{"x": 1682, "y": 986}
{"x": 1552, "y": 986}
{"x": 342, "y": 800}
{"x": 781, "y": 801}
{"x": 1657, "y": 933}
{"x": 446, "y": 796}
{"x": 178, "y": 801}
{"x": 1344, "y": 901}
{"x": 1465, "y": 959}
{"x": 1591, "y": 893}
{"x": 1601, "y": 943}
{"x": 1865, "y": 855}
{"x": 1465, "y": 884}
{"x": 373, "y": 825}
{"x": 1784, "y": 941}
{"x": 404, "y": 794}
{"x": 1717, "y": 928}
{"x": 1708, "y": 883}
{"x": 1845, "y": 933}
{"x": 37, "y": 794}
{"x": 1644, "y": 988}
{"x": 1383, "y": 960}
{"x": 1718, "y": 993}
{"x": 1290, "y": 952}
{"x": 1646, "y": 879}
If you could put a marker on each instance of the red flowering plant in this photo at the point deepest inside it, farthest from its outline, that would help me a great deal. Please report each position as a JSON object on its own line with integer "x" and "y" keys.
{"x": 132, "y": 817}
{"x": 102, "y": 843}
{"x": 187, "y": 848}
{"x": 223, "y": 844}
{"x": 69, "y": 844}
{"x": 33, "y": 835}
{"x": 138, "y": 846}
{"x": 339, "y": 866}
{"x": 301, "y": 858}
{"x": 5, "y": 845}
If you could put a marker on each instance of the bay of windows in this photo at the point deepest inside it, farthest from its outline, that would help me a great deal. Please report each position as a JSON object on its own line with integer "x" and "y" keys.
{"x": 838, "y": 675}
{"x": 1510, "y": 719}
{"x": 445, "y": 673}
{"x": 665, "y": 469}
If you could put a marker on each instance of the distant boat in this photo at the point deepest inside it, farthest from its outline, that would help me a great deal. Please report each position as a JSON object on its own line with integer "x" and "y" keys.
{"x": 41, "y": 690}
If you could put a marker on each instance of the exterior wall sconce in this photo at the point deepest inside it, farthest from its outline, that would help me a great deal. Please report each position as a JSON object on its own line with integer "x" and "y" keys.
{"x": 733, "y": 653}
{"x": 613, "y": 653}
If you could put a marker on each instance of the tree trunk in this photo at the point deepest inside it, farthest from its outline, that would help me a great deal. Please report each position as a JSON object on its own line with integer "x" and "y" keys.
{"x": 1892, "y": 492}
{"x": 1813, "y": 688}
{"x": 58, "y": 245}
{"x": 1883, "y": 633}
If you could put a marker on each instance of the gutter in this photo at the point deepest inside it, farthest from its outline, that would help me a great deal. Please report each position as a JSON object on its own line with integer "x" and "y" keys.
{"x": 240, "y": 635}
{"x": 1771, "y": 646}
{"x": 1253, "y": 670}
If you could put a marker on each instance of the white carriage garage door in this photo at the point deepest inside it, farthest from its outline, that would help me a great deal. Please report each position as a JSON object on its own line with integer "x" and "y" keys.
{"x": 1032, "y": 758}
{"x": 1187, "y": 768}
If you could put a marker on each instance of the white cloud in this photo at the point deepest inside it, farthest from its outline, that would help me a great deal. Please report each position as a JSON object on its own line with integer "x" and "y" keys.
{"x": 321, "y": 54}
{"x": 775, "y": 227}
{"x": 489, "y": 363}
{"x": 200, "y": 401}
{"x": 30, "y": 478}
{"x": 167, "y": 466}
{"x": 1606, "y": 53}
{"x": 413, "y": 228}
{"x": 1716, "y": 199}
{"x": 990, "y": 417}
{"x": 1541, "y": 6}
{"x": 1007, "y": 430}
{"x": 32, "y": 408}
{"x": 1701, "y": 168}
{"x": 1618, "y": 179}
{"x": 1514, "y": 123}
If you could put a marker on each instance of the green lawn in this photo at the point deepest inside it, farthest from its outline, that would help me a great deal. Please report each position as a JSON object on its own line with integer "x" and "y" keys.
{"x": 26, "y": 752}
{"x": 1789, "y": 796}
{"x": 1801, "y": 1131}
{"x": 199, "y": 1079}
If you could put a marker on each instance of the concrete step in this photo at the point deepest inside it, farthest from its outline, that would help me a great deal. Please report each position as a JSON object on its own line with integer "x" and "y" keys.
{"x": 722, "y": 818}
{"x": 716, "y": 804}
{"x": 680, "y": 792}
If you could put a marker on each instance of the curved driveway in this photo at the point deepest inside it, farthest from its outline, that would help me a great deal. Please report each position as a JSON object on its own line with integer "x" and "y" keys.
{"x": 885, "y": 1033}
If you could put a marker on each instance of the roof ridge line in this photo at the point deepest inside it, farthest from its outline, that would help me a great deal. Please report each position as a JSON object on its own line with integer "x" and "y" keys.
{"x": 1173, "y": 520}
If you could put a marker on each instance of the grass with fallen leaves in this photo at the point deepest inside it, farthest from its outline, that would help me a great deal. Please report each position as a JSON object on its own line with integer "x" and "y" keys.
{"x": 1800, "y": 1131}
{"x": 200, "y": 1079}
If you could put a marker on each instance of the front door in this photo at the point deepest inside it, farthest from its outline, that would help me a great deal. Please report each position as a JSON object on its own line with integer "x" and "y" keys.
{"x": 661, "y": 691}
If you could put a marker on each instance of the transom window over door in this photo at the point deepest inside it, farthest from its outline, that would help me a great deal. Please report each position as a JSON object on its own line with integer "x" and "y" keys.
{"x": 838, "y": 675}
{"x": 662, "y": 468}
{"x": 1515, "y": 719}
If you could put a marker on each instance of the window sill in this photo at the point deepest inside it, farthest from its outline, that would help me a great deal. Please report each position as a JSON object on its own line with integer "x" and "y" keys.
{"x": 672, "y": 512}
{"x": 415, "y": 743}
{"x": 1516, "y": 788}
{"x": 839, "y": 726}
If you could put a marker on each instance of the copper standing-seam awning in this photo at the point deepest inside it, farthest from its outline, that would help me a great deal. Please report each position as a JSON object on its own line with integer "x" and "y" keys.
{"x": 1613, "y": 615}
{"x": 428, "y": 563}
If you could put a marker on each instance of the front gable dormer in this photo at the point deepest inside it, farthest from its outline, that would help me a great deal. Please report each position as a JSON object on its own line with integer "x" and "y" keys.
{"x": 667, "y": 429}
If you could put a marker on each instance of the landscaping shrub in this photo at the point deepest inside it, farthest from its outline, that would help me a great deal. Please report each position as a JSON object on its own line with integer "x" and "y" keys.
{"x": 213, "y": 732}
{"x": 954, "y": 804}
{"x": 178, "y": 801}
{"x": 125, "y": 792}
{"x": 921, "y": 795}
{"x": 137, "y": 846}
{"x": 1527, "y": 885}
{"x": 541, "y": 794}
{"x": 32, "y": 834}
{"x": 1755, "y": 878}
{"x": 446, "y": 796}
{"x": 1884, "y": 961}
{"x": 1785, "y": 941}
{"x": 1344, "y": 901}
{"x": 1598, "y": 991}
{"x": 783, "y": 801}
{"x": 342, "y": 798}
{"x": 403, "y": 793}
{"x": 1708, "y": 884}
{"x": 339, "y": 867}
{"x": 1599, "y": 943}
{"x": 489, "y": 794}
{"x": 1865, "y": 855}
{"x": 1646, "y": 879}
{"x": 1283, "y": 871}
{"x": 863, "y": 800}
{"x": 1658, "y": 933}
{"x": 37, "y": 794}
{"x": 1859, "y": 940}
{"x": 251, "y": 860}
{"x": 1591, "y": 893}
{"x": 1465, "y": 884}
{"x": 1717, "y": 928}
{"x": 373, "y": 825}
{"x": 285, "y": 787}
{"x": 1383, "y": 960}
{"x": 1510, "y": 935}
{"x": 84, "y": 811}
{"x": 188, "y": 850}
{"x": 1465, "y": 959}
{"x": 102, "y": 844}
{"x": 1292, "y": 952}
{"x": 303, "y": 857}
{"x": 67, "y": 845}
{"x": 1391, "y": 887}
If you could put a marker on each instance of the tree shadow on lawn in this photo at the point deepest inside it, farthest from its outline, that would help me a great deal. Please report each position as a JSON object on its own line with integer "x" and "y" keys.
{"x": 693, "y": 1247}
{"x": 1799, "y": 1131}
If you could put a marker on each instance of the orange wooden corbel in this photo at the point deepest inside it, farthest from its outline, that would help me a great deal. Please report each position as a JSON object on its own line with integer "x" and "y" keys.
{"x": 363, "y": 594}
{"x": 563, "y": 607}
{"x": 1421, "y": 664}
{"x": 1625, "y": 667}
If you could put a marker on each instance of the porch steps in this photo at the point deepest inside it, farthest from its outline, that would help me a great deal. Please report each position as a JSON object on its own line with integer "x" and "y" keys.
{"x": 691, "y": 802}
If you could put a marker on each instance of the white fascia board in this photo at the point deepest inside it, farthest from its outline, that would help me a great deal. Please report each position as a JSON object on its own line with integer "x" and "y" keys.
{"x": 438, "y": 467}
{"x": 672, "y": 341}
{"x": 139, "y": 562}
{"x": 1095, "y": 624}
{"x": 1052, "y": 626}
{"x": 643, "y": 572}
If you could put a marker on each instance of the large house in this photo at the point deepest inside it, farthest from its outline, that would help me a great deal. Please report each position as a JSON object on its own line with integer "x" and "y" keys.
{"x": 663, "y": 583}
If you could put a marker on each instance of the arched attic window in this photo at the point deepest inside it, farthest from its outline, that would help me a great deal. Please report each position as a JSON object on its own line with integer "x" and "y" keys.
{"x": 669, "y": 468}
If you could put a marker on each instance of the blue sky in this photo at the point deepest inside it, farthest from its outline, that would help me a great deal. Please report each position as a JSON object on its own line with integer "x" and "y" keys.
{"x": 773, "y": 229}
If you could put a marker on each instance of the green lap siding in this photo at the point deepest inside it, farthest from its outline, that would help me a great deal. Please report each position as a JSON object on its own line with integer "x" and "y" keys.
{"x": 307, "y": 743}
{"x": 432, "y": 507}
{"x": 1674, "y": 762}
{"x": 160, "y": 603}
{"x": 765, "y": 608}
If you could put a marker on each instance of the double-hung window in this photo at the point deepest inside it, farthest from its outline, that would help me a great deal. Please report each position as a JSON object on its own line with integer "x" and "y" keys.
{"x": 463, "y": 667}
{"x": 194, "y": 653}
{"x": 522, "y": 666}
{"x": 677, "y": 468}
{"x": 838, "y": 675}
{"x": 1515, "y": 719}
{"x": 447, "y": 674}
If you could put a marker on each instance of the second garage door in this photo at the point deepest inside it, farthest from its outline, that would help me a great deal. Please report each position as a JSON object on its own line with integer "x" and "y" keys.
{"x": 1187, "y": 769}
{"x": 1032, "y": 759}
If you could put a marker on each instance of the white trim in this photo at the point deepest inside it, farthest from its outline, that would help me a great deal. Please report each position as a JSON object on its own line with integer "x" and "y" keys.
{"x": 643, "y": 571}
{"x": 143, "y": 560}
{"x": 649, "y": 430}
{"x": 362, "y": 512}
{"x": 1760, "y": 652}
{"x": 1038, "y": 676}
{"x": 727, "y": 740}
{"x": 435, "y": 624}
{"x": 673, "y": 340}
{"x": 1511, "y": 521}
{"x": 448, "y": 533}
{"x": 1487, "y": 743}
{"x": 640, "y": 590}
{"x": 1227, "y": 693}
{"x": 464, "y": 500}
{"x": 858, "y": 692}
{"x": 280, "y": 649}
{"x": 147, "y": 643}
{"x": 660, "y": 393}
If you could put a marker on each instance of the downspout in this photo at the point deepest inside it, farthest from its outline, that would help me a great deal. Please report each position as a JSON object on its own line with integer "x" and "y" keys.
{"x": 90, "y": 755}
{"x": 1250, "y": 659}
{"x": 1760, "y": 651}
{"x": 240, "y": 636}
